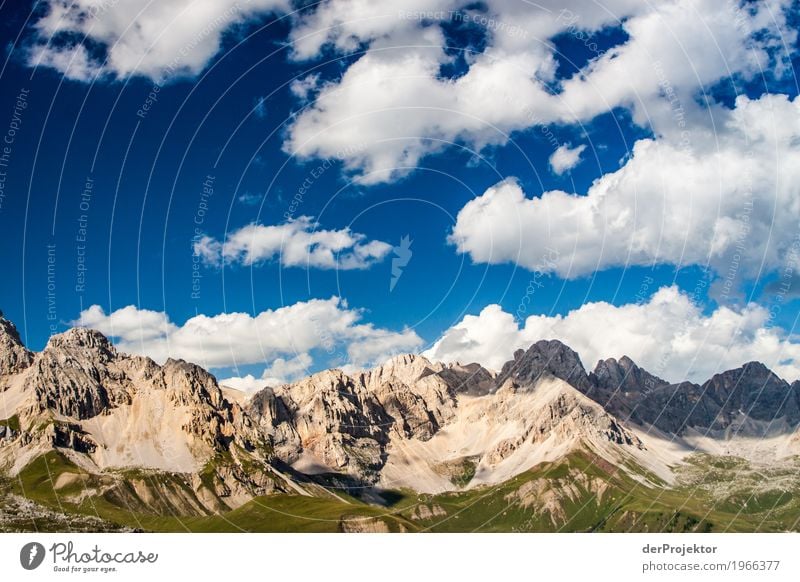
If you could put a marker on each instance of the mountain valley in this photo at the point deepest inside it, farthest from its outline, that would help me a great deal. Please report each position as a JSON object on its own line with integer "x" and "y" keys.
{"x": 92, "y": 439}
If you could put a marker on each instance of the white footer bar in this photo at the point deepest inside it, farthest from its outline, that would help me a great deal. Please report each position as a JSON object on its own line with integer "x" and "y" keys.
{"x": 484, "y": 557}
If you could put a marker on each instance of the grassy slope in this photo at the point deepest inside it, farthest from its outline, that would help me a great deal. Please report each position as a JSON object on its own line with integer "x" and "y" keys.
{"x": 12, "y": 423}
{"x": 735, "y": 499}
{"x": 594, "y": 505}
{"x": 279, "y": 513}
{"x": 575, "y": 494}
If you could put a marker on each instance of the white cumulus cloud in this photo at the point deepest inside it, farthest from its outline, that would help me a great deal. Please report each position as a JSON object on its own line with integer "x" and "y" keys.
{"x": 565, "y": 158}
{"x": 160, "y": 40}
{"x": 296, "y": 243}
{"x": 669, "y": 335}
{"x": 281, "y": 371}
{"x": 730, "y": 201}
{"x": 396, "y": 100}
{"x": 234, "y": 339}
{"x": 249, "y": 383}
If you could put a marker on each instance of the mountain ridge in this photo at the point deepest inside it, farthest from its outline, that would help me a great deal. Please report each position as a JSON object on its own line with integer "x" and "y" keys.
{"x": 409, "y": 423}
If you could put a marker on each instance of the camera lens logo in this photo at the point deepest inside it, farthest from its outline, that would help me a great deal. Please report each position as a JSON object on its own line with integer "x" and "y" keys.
{"x": 31, "y": 555}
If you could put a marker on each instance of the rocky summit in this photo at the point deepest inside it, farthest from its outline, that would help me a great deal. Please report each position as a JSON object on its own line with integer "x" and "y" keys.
{"x": 13, "y": 355}
{"x": 102, "y": 440}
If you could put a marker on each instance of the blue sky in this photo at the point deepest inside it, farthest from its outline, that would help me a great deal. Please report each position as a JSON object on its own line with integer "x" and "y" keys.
{"x": 225, "y": 111}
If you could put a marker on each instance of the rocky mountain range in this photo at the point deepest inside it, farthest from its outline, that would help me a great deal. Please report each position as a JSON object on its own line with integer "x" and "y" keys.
{"x": 139, "y": 435}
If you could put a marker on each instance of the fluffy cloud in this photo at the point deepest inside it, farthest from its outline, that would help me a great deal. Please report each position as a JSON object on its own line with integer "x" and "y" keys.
{"x": 396, "y": 102}
{"x": 283, "y": 370}
{"x": 730, "y": 201}
{"x": 334, "y": 24}
{"x": 73, "y": 61}
{"x": 489, "y": 338}
{"x": 297, "y": 243}
{"x": 380, "y": 345}
{"x": 248, "y": 383}
{"x": 373, "y": 349}
{"x": 677, "y": 49}
{"x": 235, "y": 339}
{"x": 138, "y": 37}
{"x": 128, "y": 323}
{"x": 280, "y": 372}
{"x": 395, "y": 98}
{"x": 565, "y": 158}
{"x": 669, "y": 336}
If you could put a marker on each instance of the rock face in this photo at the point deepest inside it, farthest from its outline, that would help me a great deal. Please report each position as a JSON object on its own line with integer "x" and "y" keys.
{"x": 453, "y": 419}
{"x": 546, "y": 358}
{"x": 328, "y": 415}
{"x": 750, "y": 400}
{"x": 619, "y": 385}
{"x": 410, "y": 422}
{"x": 417, "y": 398}
{"x": 112, "y": 411}
{"x": 623, "y": 376}
{"x": 471, "y": 379}
{"x": 77, "y": 375}
{"x": 754, "y": 391}
{"x": 672, "y": 408}
{"x": 335, "y": 422}
{"x": 496, "y": 437}
{"x": 13, "y": 355}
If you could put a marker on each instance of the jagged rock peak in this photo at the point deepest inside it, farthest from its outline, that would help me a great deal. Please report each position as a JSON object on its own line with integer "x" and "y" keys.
{"x": 546, "y": 357}
{"x": 472, "y": 379}
{"x": 191, "y": 383}
{"x": 753, "y": 367}
{"x": 756, "y": 391}
{"x": 406, "y": 368}
{"x": 13, "y": 354}
{"x": 624, "y": 375}
{"x": 80, "y": 337}
{"x": 8, "y": 329}
{"x": 332, "y": 376}
{"x": 407, "y": 359}
{"x": 184, "y": 366}
{"x": 752, "y": 375}
{"x": 404, "y": 361}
